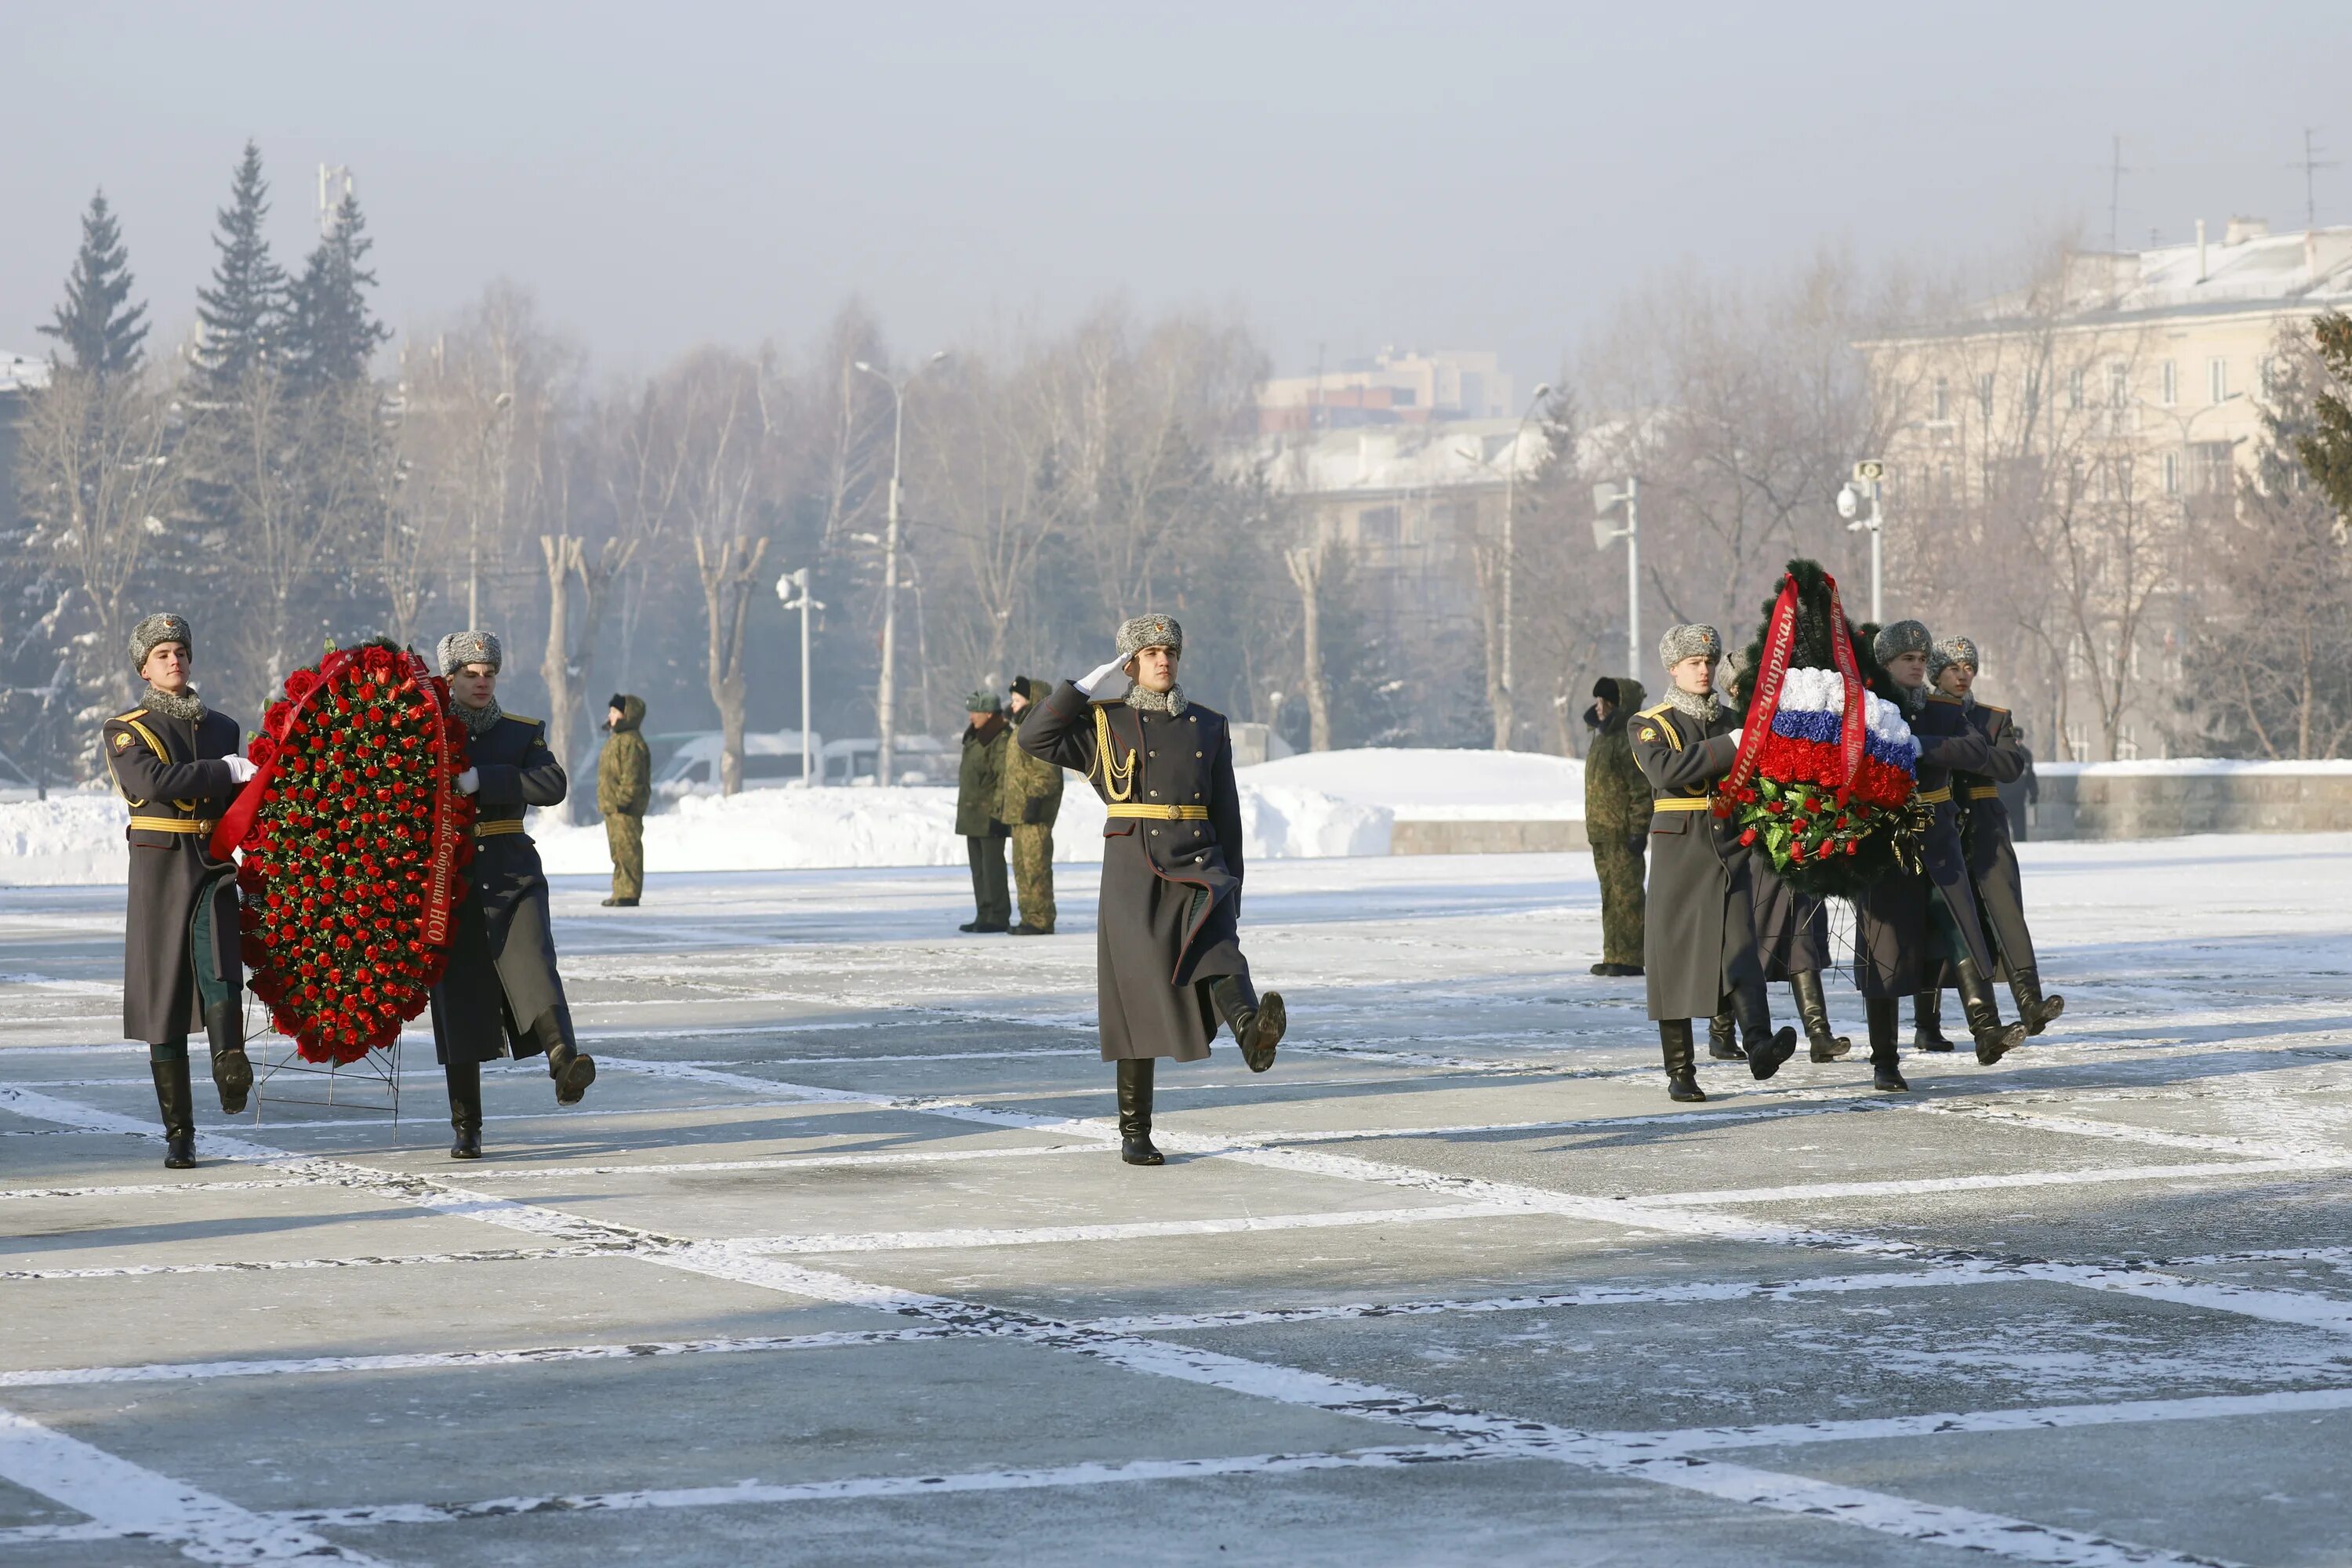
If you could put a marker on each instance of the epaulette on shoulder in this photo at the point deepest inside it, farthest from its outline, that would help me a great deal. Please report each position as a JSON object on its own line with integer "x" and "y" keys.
{"x": 1991, "y": 709}
{"x": 522, "y": 718}
{"x": 127, "y": 718}
{"x": 1941, "y": 697}
{"x": 1653, "y": 713}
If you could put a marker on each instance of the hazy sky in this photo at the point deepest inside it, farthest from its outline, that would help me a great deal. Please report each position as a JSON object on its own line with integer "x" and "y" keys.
{"x": 1348, "y": 175}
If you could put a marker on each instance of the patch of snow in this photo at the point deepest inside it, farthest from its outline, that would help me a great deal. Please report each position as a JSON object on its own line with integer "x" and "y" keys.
{"x": 2188, "y": 767}
{"x": 1433, "y": 785}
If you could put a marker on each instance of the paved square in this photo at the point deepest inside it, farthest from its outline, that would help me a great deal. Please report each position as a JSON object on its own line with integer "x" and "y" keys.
{"x": 838, "y": 1263}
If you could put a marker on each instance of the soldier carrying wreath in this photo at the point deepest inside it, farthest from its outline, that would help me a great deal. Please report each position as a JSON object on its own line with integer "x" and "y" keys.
{"x": 175, "y": 761}
{"x": 501, "y": 993}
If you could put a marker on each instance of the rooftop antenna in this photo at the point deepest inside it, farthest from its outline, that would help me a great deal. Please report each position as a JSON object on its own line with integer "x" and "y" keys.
{"x": 2115, "y": 173}
{"x": 334, "y": 184}
{"x": 2311, "y": 163}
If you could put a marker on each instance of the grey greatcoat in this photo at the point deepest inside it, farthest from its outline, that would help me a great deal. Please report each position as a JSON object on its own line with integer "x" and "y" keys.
{"x": 1168, "y": 916}
{"x": 1992, "y": 857}
{"x": 1905, "y": 925}
{"x": 1699, "y": 942}
{"x": 169, "y": 772}
{"x": 501, "y": 991}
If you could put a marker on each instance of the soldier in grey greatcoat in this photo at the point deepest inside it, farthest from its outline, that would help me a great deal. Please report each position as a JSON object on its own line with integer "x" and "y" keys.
{"x": 1699, "y": 938}
{"x": 177, "y": 765}
{"x": 1991, "y": 857}
{"x": 1912, "y": 928}
{"x": 1168, "y": 958}
{"x": 500, "y": 992}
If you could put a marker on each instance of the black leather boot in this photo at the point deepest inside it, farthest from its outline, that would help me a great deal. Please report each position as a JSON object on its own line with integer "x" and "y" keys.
{"x": 1927, "y": 1021}
{"x": 1766, "y": 1050}
{"x": 1885, "y": 1017}
{"x": 1720, "y": 1042}
{"x": 232, "y": 1071}
{"x": 2037, "y": 1010}
{"x": 1135, "y": 1144}
{"x": 1682, "y": 1064}
{"x": 465, "y": 1108}
{"x": 1994, "y": 1038}
{"x": 1257, "y": 1026}
{"x": 1813, "y": 1010}
{"x": 177, "y": 1102}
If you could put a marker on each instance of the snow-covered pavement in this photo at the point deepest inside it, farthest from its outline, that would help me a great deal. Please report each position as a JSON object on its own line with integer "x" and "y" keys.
{"x": 837, "y": 1265}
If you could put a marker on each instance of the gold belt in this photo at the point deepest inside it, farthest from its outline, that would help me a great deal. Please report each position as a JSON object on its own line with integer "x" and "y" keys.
{"x": 497, "y": 829}
{"x": 1934, "y": 796}
{"x": 1982, "y": 792}
{"x": 1158, "y": 813}
{"x": 175, "y": 823}
{"x": 1683, "y": 802}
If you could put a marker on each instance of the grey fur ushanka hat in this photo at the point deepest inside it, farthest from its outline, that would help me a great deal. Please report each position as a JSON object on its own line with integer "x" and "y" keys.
{"x": 1903, "y": 636}
{"x": 156, "y": 630}
{"x": 1149, "y": 631}
{"x": 1949, "y": 651}
{"x": 1688, "y": 642}
{"x": 459, "y": 650}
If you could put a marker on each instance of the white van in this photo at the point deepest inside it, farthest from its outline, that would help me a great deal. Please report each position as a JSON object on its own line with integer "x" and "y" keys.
{"x": 918, "y": 760}
{"x": 771, "y": 761}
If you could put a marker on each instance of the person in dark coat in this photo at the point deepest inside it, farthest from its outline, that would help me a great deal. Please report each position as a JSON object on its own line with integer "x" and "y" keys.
{"x": 979, "y": 788}
{"x": 177, "y": 765}
{"x": 625, "y": 787}
{"x": 1912, "y": 928}
{"x": 501, "y": 993}
{"x": 1168, "y": 957}
{"x": 1617, "y": 824}
{"x": 1699, "y": 942}
{"x": 1792, "y": 942}
{"x": 1985, "y": 836}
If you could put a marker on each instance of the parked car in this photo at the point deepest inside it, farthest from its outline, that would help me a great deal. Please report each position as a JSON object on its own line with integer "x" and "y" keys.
{"x": 919, "y": 760}
{"x": 771, "y": 761}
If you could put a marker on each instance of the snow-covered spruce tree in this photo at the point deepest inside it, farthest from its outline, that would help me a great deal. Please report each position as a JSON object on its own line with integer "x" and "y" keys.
{"x": 241, "y": 313}
{"x": 2326, "y": 447}
{"x": 330, "y": 333}
{"x": 101, "y": 331}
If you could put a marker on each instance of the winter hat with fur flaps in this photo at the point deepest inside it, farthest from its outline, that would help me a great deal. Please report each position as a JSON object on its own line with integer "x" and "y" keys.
{"x": 1949, "y": 652}
{"x": 155, "y": 631}
{"x": 459, "y": 650}
{"x": 1149, "y": 631}
{"x": 983, "y": 702}
{"x": 1903, "y": 636}
{"x": 1688, "y": 642}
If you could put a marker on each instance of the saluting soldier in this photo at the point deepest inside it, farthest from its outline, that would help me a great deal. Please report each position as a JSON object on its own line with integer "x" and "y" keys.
{"x": 1912, "y": 928}
{"x": 177, "y": 765}
{"x": 1167, "y": 956}
{"x": 1985, "y": 836}
{"x": 1699, "y": 942}
{"x": 500, "y": 992}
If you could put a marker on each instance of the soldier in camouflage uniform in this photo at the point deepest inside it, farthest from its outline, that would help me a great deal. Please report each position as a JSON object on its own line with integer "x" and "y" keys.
{"x": 1617, "y": 824}
{"x": 624, "y": 790}
{"x": 1032, "y": 801}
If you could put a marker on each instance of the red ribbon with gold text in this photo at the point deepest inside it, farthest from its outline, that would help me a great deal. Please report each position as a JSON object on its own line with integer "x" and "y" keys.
{"x": 1849, "y": 738}
{"x": 1780, "y": 637}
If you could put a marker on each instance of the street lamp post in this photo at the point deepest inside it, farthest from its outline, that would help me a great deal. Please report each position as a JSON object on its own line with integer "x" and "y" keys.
{"x": 885, "y": 706}
{"x": 1606, "y": 499}
{"x": 792, "y": 588}
{"x": 1870, "y": 475}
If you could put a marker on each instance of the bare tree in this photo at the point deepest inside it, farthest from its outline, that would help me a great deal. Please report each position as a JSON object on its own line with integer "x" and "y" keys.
{"x": 1308, "y": 563}
{"x": 97, "y": 472}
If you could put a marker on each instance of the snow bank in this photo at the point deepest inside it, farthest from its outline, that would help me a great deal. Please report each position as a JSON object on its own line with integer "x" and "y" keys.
{"x": 2186, "y": 767}
{"x": 77, "y": 839}
{"x": 1427, "y": 785}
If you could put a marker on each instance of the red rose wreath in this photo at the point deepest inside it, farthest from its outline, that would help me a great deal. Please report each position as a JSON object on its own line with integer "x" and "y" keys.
{"x": 351, "y": 836}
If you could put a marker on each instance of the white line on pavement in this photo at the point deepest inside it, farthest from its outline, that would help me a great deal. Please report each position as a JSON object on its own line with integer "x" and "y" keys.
{"x": 125, "y": 1498}
{"x": 1132, "y": 1231}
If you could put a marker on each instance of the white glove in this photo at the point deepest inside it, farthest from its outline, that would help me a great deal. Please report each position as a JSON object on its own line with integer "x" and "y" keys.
{"x": 1738, "y": 737}
{"x": 469, "y": 781}
{"x": 240, "y": 768}
{"x": 1086, "y": 683}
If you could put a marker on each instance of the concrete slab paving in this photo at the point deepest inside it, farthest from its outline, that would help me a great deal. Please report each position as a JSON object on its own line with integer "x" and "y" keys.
{"x": 1797, "y": 1325}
